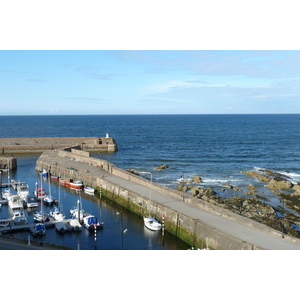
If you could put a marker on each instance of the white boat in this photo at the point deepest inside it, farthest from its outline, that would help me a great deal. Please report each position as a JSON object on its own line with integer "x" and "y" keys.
{"x": 19, "y": 218}
{"x": 4, "y": 222}
{"x": 15, "y": 202}
{"x": 49, "y": 200}
{"x": 89, "y": 190}
{"x": 90, "y": 222}
{"x": 75, "y": 224}
{"x": 44, "y": 173}
{"x": 38, "y": 229}
{"x": 152, "y": 223}
{"x": 57, "y": 214}
{"x": 6, "y": 194}
{"x": 76, "y": 185}
{"x": 23, "y": 191}
{"x": 31, "y": 201}
{"x": 40, "y": 217}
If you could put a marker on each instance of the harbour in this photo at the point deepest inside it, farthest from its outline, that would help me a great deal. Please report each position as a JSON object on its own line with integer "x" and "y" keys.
{"x": 108, "y": 238}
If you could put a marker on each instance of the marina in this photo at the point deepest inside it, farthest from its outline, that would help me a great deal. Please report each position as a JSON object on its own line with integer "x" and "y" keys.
{"x": 79, "y": 237}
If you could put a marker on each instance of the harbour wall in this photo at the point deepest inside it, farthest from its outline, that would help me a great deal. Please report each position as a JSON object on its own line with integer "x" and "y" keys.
{"x": 39, "y": 145}
{"x": 95, "y": 172}
{"x": 8, "y": 162}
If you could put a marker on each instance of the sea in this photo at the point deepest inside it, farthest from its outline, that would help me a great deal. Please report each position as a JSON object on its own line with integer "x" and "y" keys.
{"x": 218, "y": 148}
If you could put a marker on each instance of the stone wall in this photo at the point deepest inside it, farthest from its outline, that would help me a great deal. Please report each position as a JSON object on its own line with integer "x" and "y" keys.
{"x": 38, "y": 145}
{"x": 8, "y": 162}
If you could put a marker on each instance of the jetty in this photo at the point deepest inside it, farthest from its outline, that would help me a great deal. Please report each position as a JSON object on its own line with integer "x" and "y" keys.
{"x": 198, "y": 223}
{"x": 39, "y": 145}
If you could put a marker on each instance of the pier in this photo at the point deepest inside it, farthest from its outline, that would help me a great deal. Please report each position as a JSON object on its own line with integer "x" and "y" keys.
{"x": 39, "y": 145}
{"x": 191, "y": 219}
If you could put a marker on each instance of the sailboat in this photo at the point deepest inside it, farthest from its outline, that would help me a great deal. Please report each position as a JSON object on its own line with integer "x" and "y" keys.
{"x": 49, "y": 200}
{"x": 57, "y": 214}
{"x": 40, "y": 216}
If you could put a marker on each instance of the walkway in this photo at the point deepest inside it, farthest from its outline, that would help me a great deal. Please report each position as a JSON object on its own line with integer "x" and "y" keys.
{"x": 252, "y": 235}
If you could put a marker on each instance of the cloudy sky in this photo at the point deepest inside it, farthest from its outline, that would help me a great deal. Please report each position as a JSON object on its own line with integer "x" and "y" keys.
{"x": 149, "y": 82}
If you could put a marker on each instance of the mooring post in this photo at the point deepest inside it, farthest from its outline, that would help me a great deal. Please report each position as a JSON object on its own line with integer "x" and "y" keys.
{"x": 95, "y": 226}
{"x": 163, "y": 229}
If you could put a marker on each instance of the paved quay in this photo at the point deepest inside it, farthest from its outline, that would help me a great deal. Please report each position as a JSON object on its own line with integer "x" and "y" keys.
{"x": 262, "y": 237}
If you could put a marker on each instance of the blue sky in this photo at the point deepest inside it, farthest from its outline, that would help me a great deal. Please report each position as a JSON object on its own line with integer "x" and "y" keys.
{"x": 149, "y": 82}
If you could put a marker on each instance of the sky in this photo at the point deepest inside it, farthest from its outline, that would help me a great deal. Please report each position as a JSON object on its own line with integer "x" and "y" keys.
{"x": 59, "y": 82}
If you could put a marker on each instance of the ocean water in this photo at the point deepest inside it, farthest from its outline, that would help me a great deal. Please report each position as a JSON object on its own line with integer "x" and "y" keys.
{"x": 219, "y": 148}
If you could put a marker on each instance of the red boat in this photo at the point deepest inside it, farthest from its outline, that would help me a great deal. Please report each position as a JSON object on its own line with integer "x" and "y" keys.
{"x": 76, "y": 185}
{"x": 65, "y": 182}
{"x": 40, "y": 193}
{"x": 54, "y": 177}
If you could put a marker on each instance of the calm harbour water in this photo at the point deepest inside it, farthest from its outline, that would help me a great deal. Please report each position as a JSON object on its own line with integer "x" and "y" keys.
{"x": 216, "y": 147}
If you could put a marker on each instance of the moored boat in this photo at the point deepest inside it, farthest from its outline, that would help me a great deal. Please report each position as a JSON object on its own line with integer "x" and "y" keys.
{"x": 23, "y": 191}
{"x": 44, "y": 173}
{"x": 152, "y": 223}
{"x": 40, "y": 193}
{"x": 65, "y": 182}
{"x": 31, "y": 201}
{"x": 89, "y": 190}
{"x": 49, "y": 200}
{"x": 76, "y": 185}
{"x": 60, "y": 227}
{"x": 54, "y": 177}
{"x": 15, "y": 202}
{"x": 40, "y": 217}
{"x": 19, "y": 218}
{"x": 4, "y": 222}
{"x": 38, "y": 229}
{"x": 91, "y": 223}
{"x": 57, "y": 214}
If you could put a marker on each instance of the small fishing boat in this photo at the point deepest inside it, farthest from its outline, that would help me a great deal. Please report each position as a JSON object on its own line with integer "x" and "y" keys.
{"x": 31, "y": 201}
{"x": 40, "y": 193}
{"x": 15, "y": 202}
{"x": 19, "y": 218}
{"x": 91, "y": 223}
{"x": 44, "y": 173}
{"x": 89, "y": 190}
{"x": 4, "y": 222}
{"x": 65, "y": 182}
{"x": 54, "y": 177}
{"x": 152, "y": 223}
{"x": 76, "y": 185}
{"x": 38, "y": 229}
{"x": 23, "y": 191}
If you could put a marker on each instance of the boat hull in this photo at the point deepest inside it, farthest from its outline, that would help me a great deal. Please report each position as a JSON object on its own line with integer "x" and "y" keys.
{"x": 152, "y": 224}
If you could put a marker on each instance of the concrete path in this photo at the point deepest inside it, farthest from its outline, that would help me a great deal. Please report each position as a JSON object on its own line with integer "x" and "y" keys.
{"x": 252, "y": 235}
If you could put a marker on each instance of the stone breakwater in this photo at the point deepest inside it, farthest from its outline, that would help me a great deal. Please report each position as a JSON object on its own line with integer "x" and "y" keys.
{"x": 39, "y": 145}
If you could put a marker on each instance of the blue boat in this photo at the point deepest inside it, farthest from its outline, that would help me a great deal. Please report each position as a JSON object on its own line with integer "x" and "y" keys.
{"x": 91, "y": 222}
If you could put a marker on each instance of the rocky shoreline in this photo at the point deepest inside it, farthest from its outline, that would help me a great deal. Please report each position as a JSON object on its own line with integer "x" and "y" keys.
{"x": 252, "y": 204}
